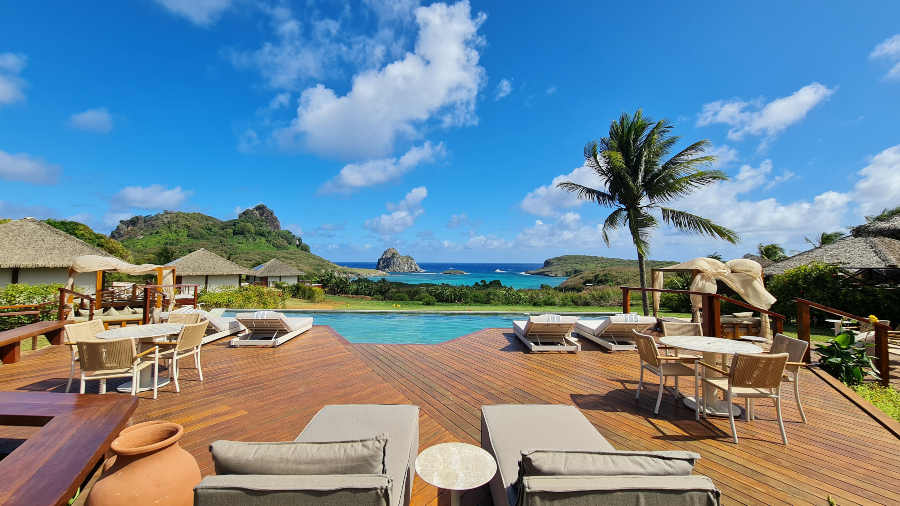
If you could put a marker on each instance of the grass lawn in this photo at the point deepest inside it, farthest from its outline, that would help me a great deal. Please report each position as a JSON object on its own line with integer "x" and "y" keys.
{"x": 886, "y": 399}
{"x": 816, "y": 334}
{"x": 336, "y": 302}
{"x": 42, "y": 341}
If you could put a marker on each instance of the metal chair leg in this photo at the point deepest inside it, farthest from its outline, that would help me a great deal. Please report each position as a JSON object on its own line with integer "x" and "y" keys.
{"x": 640, "y": 383}
{"x": 731, "y": 416}
{"x": 797, "y": 395}
{"x": 662, "y": 381}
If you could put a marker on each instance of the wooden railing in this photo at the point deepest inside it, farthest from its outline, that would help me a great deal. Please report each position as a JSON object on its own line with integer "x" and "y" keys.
{"x": 711, "y": 321}
{"x": 158, "y": 295}
{"x": 881, "y": 334}
{"x": 65, "y": 293}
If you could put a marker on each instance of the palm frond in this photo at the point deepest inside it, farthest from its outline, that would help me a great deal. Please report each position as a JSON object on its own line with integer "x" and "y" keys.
{"x": 697, "y": 225}
{"x": 641, "y": 225}
{"x": 614, "y": 221}
{"x": 590, "y": 194}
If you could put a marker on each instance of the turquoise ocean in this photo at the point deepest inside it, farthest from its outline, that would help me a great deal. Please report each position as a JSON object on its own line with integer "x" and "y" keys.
{"x": 510, "y": 274}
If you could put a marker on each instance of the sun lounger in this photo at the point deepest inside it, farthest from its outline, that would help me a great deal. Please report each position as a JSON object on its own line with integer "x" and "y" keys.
{"x": 254, "y": 473}
{"x": 269, "y": 328}
{"x": 615, "y": 333}
{"x": 219, "y": 326}
{"x": 547, "y": 333}
{"x": 567, "y": 462}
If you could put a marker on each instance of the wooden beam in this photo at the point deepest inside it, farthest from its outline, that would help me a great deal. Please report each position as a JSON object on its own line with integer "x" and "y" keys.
{"x": 884, "y": 358}
{"x": 15, "y": 275}
{"x": 803, "y": 326}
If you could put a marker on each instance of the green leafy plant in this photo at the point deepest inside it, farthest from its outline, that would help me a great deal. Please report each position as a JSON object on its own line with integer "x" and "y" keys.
{"x": 15, "y": 294}
{"x": 243, "y": 297}
{"x": 846, "y": 362}
{"x": 426, "y": 300}
{"x": 887, "y": 399}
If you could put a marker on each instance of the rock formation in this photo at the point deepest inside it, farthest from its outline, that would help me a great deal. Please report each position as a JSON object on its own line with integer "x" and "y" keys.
{"x": 391, "y": 261}
{"x": 261, "y": 211}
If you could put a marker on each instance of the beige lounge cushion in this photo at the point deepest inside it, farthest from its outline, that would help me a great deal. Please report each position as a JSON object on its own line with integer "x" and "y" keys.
{"x": 126, "y": 310}
{"x": 361, "y": 456}
{"x": 111, "y": 312}
{"x": 619, "y": 491}
{"x": 310, "y": 490}
{"x": 607, "y": 463}
{"x": 84, "y": 312}
{"x": 222, "y": 324}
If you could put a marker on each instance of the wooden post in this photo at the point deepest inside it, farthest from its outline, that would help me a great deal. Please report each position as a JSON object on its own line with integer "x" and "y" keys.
{"x": 61, "y": 313}
{"x": 626, "y": 300}
{"x": 881, "y": 349}
{"x": 803, "y": 326}
{"x": 15, "y": 275}
{"x": 779, "y": 326}
{"x": 98, "y": 297}
{"x": 146, "y": 315}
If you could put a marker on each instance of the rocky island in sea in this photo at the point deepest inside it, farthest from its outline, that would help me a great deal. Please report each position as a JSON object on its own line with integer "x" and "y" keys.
{"x": 454, "y": 271}
{"x": 392, "y": 261}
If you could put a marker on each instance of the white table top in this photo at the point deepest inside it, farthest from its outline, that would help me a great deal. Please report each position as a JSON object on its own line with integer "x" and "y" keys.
{"x": 142, "y": 331}
{"x": 710, "y": 344}
{"x": 456, "y": 466}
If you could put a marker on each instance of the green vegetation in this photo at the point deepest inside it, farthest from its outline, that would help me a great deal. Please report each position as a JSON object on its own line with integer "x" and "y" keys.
{"x": 23, "y": 293}
{"x": 84, "y": 232}
{"x": 829, "y": 285}
{"x": 301, "y": 291}
{"x": 453, "y": 271}
{"x": 610, "y": 277}
{"x": 841, "y": 359}
{"x": 825, "y": 238}
{"x": 772, "y": 252}
{"x": 887, "y": 399}
{"x": 885, "y": 215}
{"x": 636, "y": 179}
{"x": 572, "y": 265}
{"x": 243, "y": 297}
{"x": 255, "y": 237}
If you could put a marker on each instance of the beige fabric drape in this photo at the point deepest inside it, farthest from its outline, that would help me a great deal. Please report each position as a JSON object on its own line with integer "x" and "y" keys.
{"x": 656, "y": 282}
{"x": 742, "y": 275}
{"x": 169, "y": 279}
{"x": 94, "y": 263}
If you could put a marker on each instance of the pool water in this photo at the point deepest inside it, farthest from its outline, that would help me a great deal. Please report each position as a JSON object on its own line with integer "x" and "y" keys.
{"x": 408, "y": 328}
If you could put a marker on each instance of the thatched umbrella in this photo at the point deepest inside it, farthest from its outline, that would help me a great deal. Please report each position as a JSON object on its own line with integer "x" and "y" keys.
{"x": 32, "y": 244}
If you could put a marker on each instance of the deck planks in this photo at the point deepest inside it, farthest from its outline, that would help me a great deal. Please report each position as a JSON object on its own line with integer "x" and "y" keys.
{"x": 270, "y": 394}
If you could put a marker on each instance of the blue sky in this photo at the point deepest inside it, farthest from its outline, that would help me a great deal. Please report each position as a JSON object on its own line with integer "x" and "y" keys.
{"x": 442, "y": 128}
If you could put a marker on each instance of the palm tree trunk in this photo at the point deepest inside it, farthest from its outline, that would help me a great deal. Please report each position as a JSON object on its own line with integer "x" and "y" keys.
{"x": 641, "y": 270}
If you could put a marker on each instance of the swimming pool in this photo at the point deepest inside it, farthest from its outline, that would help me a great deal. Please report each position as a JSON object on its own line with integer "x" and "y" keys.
{"x": 408, "y": 328}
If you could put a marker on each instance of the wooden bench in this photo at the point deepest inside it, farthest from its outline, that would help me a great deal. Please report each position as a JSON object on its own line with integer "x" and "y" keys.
{"x": 11, "y": 340}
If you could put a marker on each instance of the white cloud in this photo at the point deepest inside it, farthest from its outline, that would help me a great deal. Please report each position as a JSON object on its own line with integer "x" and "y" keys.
{"x": 155, "y": 196}
{"x": 22, "y": 167}
{"x": 889, "y": 50}
{"x": 548, "y": 200}
{"x": 459, "y": 220}
{"x": 879, "y": 187}
{"x": 111, "y": 219}
{"x": 93, "y": 120}
{"x": 86, "y": 218}
{"x": 504, "y": 88}
{"x": 724, "y": 153}
{"x": 323, "y": 230}
{"x": 280, "y": 100}
{"x": 567, "y": 230}
{"x": 355, "y": 176}
{"x": 488, "y": 242}
{"x": 201, "y": 12}
{"x": 248, "y": 141}
{"x": 770, "y": 120}
{"x": 551, "y": 90}
{"x": 403, "y": 215}
{"x": 440, "y": 80}
{"x": 11, "y": 85}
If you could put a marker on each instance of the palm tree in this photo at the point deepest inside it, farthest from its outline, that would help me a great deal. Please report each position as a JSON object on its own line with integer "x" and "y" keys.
{"x": 825, "y": 238}
{"x": 636, "y": 179}
{"x": 715, "y": 256}
{"x": 772, "y": 252}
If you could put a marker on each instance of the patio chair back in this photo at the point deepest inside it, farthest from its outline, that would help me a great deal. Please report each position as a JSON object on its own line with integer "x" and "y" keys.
{"x": 758, "y": 370}
{"x": 186, "y": 318}
{"x": 646, "y": 348}
{"x": 84, "y": 330}
{"x": 681, "y": 329}
{"x": 795, "y": 348}
{"x": 106, "y": 354}
{"x": 191, "y": 336}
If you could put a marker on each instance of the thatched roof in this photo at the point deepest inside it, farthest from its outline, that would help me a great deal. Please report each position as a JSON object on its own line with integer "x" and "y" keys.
{"x": 275, "y": 268}
{"x": 763, "y": 261}
{"x": 888, "y": 228}
{"x": 849, "y": 252}
{"x": 206, "y": 263}
{"x": 29, "y": 243}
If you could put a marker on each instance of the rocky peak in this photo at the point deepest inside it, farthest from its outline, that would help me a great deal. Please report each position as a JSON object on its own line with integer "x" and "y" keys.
{"x": 261, "y": 211}
{"x": 392, "y": 261}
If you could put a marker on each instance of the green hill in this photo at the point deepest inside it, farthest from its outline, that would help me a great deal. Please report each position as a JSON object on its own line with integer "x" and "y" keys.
{"x": 572, "y": 265}
{"x": 253, "y": 238}
{"x": 84, "y": 232}
{"x": 607, "y": 276}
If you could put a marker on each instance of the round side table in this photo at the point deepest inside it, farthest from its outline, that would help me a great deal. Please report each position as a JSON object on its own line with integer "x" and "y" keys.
{"x": 456, "y": 467}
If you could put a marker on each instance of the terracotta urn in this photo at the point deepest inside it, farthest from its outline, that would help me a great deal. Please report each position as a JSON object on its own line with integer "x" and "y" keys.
{"x": 150, "y": 469}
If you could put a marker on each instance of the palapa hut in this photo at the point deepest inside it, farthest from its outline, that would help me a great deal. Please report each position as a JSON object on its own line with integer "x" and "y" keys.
{"x": 33, "y": 252}
{"x": 872, "y": 251}
{"x": 273, "y": 271}
{"x": 207, "y": 269}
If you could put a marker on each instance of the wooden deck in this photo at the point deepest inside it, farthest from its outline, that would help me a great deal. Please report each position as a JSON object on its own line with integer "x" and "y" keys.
{"x": 271, "y": 394}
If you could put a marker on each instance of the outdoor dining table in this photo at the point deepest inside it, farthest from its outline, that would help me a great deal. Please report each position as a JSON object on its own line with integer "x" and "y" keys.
{"x": 144, "y": 334}
{"x": 711, "y": 347}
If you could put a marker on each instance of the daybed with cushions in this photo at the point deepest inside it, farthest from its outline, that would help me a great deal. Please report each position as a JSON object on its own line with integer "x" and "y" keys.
{"x": 614, "y": 333}
{"x": 269, "y": 328}
{"x": 219, "y": 326}
{"x": 566, "y": 462}
{"x": 547, "y": 332}
{"x": 348, "y": 454}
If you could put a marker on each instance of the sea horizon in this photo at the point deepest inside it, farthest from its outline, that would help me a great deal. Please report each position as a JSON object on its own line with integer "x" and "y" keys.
{"x": 508, "y": 273}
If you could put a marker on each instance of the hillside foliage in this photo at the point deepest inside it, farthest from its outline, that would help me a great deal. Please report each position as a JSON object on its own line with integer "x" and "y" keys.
{"x": 572, "y": 265}
{"x": 84, "y": 232}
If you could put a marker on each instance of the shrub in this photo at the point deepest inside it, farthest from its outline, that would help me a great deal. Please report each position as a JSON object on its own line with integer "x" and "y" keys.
{"x": 22, "y": 293}
{"x": 426, "y": 299}
{"x": 400, "y": 297}
{"x": 844, "y": 361}
{"x": 377, "y": 297}
{"x": 243, "y": 297}
{"x": 310, "y": 293}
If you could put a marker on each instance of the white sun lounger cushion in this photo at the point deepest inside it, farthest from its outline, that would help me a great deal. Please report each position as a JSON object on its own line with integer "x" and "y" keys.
{"x": 222, "y": 324}
{"x": 288, "y": 323}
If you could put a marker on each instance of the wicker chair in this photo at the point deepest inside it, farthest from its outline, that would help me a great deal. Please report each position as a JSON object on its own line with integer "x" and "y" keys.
{"x": 186, "y": 344}
{"x": 750, "y": 376}
{"x": 795, "y": 348}
{"x": 102, "y": 359}
{"x": 185, "y": 318}
{"x": 681, "y": 329}
{"x": 77, "y": 332}
{"x": 662, "y": 367}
